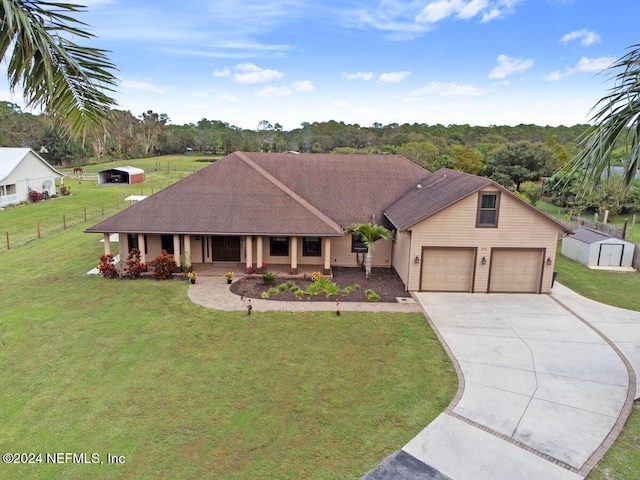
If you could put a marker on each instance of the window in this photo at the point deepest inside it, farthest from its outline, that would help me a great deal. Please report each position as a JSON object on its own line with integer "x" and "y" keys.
{"x": 311, "y": 246}
{"x": 167, "y": 243}
{"x": 488, "y": 209}
{"x": 357, "y": 244}
{"x": 279, "y": 246}
{"x": 132, "y": 238}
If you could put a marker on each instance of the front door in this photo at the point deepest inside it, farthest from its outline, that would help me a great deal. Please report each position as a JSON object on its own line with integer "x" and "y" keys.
{"x": 225, "y": 249}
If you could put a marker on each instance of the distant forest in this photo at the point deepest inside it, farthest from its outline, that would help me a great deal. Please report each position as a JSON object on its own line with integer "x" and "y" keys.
{"x": 517, "y": 157}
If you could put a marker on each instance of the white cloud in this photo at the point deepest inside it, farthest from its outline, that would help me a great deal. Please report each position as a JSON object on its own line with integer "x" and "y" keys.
{"x": 393, "y": 77}
{"x": 488, "y": 10}
{"x": 140, "y": 86}
{"x": 586, "y": 37}
{"x": 274, "y": 92}
{"x": 359, "y": 76}
{"x": 584, "y": 65}
{"x": 225, "y": 72}
{"x": 508, "y": 66}
{"x": 340, "y": 103}
{"x": 248, "y": 73}
{"x": 451, "y": 89}
{"x": 228, "y": 98}
{"x": 303, "y": 86}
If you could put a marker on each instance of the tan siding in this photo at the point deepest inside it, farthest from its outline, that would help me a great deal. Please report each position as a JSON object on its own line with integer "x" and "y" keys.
{"x": 154, "y": 246}
{"x": 401, "y": 256}
{"x": 518, "y": 226}
{"x": 342, "y": 256}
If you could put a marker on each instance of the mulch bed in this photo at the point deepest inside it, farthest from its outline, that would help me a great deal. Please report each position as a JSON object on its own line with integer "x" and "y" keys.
{"x": 384, "y": 281}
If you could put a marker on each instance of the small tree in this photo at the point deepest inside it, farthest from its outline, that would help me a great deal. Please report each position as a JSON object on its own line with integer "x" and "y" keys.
{"x": 107, "y": 267}
{"x": 134, "y": 266}
{"x": 162, "y": 266}
{"x": 369, "y": 234}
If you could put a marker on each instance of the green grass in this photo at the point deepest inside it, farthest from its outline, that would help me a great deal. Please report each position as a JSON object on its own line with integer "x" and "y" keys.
{"x": 89, "y": 201}
{"x": 133, "y": 368}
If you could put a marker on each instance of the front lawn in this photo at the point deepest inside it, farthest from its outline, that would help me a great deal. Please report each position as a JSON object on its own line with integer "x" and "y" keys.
{"x": 133, "y": 369}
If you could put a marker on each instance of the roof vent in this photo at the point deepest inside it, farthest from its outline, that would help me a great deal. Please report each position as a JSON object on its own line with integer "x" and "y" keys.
{"x": 419, "y": 186}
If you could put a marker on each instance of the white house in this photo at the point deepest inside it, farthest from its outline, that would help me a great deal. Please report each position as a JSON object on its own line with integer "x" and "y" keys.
{"x": 21, "y": 170}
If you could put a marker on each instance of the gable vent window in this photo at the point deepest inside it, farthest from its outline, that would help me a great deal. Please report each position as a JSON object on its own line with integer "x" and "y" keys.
{"x": 488, "y": 204}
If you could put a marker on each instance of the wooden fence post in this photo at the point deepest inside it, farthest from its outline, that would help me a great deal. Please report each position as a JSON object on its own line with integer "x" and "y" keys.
{"x": 38, "y": 228}
{"x": 103, "y": 209}
{"x": 8, "y": 244}
{"x": 85, "y": 214}
{"x": 64, "y": 221}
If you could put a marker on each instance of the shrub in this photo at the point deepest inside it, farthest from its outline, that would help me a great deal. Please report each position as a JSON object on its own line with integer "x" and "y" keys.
{"x": 323, "y": 285}
{"x": 372, "y": 295}
{"x": 107, "y": 267}
{"x": 268, "y": 278}
{"x": 264, "y": 295}
{"x": 298, "y": 293}
{"x": 36, "y": 196}
{"x": 162, "y": 266}
{"x": 64, "y": 190}
{"x": 134, "y": 266}
{"x": 273, "y": 291}
{"x": 315, "y": 276}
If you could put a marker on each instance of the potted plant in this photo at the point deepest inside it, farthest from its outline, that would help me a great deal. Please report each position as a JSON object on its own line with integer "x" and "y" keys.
{"x": 192, "y": 275}
{"x": 229, "y": 277}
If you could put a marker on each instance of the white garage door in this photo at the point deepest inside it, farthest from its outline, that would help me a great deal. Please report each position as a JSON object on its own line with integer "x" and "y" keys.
{"x": 516, "y": 270}
{"x": 447, "y": 269}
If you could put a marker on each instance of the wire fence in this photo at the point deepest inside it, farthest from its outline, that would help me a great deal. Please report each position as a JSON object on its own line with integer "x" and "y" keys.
{"x": 70, "y": 218}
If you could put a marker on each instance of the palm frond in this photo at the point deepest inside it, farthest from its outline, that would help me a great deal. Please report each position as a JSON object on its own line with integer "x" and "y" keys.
{"x": 66, "y": 80}
{"x": 616, "y": 120}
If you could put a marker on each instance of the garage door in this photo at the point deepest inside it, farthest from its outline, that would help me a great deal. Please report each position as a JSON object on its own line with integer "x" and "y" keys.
{"x": 516, "y": 270}
{"x": 447, "y": 269}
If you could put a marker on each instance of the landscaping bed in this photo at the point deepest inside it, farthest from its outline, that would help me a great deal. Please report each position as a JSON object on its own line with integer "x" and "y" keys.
{"x": 385, "y": 282}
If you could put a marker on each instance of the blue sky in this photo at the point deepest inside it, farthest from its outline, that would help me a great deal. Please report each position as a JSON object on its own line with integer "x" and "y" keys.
{"x": 477, "y": 62}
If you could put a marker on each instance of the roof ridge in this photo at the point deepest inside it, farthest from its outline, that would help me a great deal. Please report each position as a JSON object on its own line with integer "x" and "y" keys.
{"x": 304, "y": 203}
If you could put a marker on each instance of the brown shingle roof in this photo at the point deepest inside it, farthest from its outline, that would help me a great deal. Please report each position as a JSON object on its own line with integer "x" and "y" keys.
{"x": 276, "y": 194}
{"x": 445, "y": 187}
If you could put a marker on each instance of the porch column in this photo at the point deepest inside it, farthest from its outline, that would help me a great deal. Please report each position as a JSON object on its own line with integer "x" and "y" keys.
{"x": 327, "y": 255}
{"x": 249, "y": 251}
{"x": 107, "y": 244}
{"x": 176, "y": 249}
{"x": 294, "y": 253}
{"x": 141, "y": 244}
{"x": 258, "y": 251}
{"x": 187, "y": 251}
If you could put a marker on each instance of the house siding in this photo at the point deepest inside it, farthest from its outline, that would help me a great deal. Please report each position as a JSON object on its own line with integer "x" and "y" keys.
{"x": 401, "y": 256}
{"x": 30, "y": 173}
{"x": 456, "y": 227}
{"x": 342, "y": 256}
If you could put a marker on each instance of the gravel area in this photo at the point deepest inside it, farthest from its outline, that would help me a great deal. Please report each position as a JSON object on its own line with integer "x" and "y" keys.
{"x": 384, "y": 281}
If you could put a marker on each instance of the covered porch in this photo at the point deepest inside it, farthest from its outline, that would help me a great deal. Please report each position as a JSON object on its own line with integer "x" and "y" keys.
{"x": 219, "y": 269}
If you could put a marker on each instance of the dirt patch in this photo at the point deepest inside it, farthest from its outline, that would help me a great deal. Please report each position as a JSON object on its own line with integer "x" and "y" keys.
{"x": 385, "y": 282}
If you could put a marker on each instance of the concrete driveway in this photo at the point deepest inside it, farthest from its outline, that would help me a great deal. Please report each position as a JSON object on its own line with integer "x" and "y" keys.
{"x": 543, "y": 395}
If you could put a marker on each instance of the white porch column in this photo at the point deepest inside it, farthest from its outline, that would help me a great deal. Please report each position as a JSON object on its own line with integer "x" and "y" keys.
{"x": 107, "y": 244}
{"x": 187, "y": 251}
{"x": 327, "y": 255}
{"x": 249, "y": 251}
{"x": 141, "y": 243}
{"x": 294, "y": 253}
{"x": 176, "y": 249}
{"x": 258, "y": 251}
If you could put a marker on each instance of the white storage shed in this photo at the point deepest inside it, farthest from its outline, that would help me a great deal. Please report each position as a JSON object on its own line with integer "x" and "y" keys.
{"x": 126, "y": 175}
{"x": 597, "y": 249}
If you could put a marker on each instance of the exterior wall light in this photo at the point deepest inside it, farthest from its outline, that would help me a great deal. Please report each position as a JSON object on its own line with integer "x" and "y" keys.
{"x": 483, "y": 261}
{"x": 416, "y": 260}
{"x": 549, "y": 261}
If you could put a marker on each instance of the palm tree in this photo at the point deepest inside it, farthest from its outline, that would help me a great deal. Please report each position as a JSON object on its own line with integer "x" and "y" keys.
{"x": 369, "y": 234}
{"x": 64, "y": 79}
{"x": 616, "y": 120}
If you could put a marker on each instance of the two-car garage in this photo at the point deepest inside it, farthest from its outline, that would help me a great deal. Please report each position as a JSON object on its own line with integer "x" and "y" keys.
{"x": 510, "y": 270}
